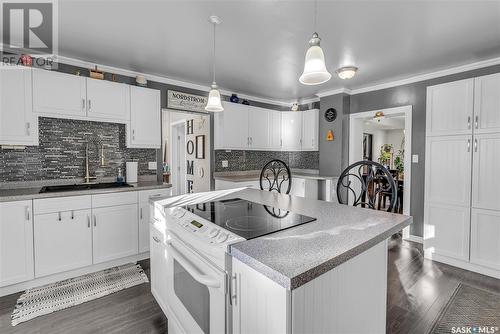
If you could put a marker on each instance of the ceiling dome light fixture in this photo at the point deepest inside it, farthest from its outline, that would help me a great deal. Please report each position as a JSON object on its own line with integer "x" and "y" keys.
{"x": 347, "y": 72}
{"x": 379, "y": 115}
{"x": 315, "y": 71}
{"x": 214, "y": 102}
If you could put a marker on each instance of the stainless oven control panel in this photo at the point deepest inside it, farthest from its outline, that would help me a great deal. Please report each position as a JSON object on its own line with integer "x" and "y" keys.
{"x": 208, "y": 231}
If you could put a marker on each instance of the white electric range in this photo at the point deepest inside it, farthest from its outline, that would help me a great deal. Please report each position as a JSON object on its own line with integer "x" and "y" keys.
{"x": 198, "y": 241}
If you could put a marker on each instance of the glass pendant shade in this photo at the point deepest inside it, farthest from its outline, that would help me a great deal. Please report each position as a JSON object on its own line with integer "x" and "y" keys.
{"x": 315, "y": 71}
{"x": 214, "y": 102}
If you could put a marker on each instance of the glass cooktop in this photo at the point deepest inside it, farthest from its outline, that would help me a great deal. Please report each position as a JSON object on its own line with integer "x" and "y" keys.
{"x": 247, "y": 219}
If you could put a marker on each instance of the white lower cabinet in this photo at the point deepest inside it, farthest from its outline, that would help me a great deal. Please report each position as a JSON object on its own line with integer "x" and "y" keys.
{"x": 485, "y": 234}
{"x": 158, "y": 255}
{"x": 16, "y": 242}
{"x": 63, "y": 241}
{"x": 115, "y": 232}
{"x": 145, "y": 214}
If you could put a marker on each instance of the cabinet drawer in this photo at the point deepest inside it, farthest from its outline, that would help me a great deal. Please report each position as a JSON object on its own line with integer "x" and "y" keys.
{"x": 144, "y": 195}
{"x": 103, "y": 200}
{"x": 58, "y": 204}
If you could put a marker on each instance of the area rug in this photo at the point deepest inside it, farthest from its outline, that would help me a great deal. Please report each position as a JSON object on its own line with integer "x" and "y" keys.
{"x": 469, "y": 310}
{"x": 74, "y": 291}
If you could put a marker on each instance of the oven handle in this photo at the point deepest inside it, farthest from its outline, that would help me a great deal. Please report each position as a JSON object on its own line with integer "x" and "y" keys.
{"x": 206, "y": 280}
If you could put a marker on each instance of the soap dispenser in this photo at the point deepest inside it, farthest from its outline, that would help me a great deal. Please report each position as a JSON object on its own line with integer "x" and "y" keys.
{"x": 119, "y": 177}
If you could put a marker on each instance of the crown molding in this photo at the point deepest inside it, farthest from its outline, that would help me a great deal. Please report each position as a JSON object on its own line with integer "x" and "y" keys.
{"x": 165, "y": 80}
{"x": 334, "y": 92}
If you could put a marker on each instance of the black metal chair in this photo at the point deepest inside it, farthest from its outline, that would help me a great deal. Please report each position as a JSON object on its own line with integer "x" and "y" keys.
{"x": 274, "y": 175}
{"x": 366, "y": 181}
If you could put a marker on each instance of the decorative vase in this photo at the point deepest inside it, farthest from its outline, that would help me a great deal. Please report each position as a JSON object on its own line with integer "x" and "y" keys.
{"x": 234, "y": 98}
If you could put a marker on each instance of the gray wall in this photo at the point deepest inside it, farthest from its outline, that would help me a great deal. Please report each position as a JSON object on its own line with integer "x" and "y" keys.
{"x": 412, "y": 94}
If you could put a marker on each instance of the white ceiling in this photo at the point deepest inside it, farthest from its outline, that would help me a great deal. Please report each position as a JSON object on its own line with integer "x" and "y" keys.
{"x": 261, "y": 44}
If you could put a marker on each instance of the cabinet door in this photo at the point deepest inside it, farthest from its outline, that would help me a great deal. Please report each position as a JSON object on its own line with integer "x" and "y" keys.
{"x": 59, "y": 94}
{"x": 487, "y": 104}
{"x": 450, "y": 108}
{"x": 115, "y": 232}
{"x": 108, "y": 100}
{"x": 235, "y": 126}
{"x": 310, "y": 124}
{"x": 291, "y": 130}
{"x": 158, "y": 255}
{"x": 63, "y": 241}
{"x": 16, "y": 242}
{"x": 446, "y": 230}
{"x": 144, "y": 215}
{"x": 144, "y": 130}
{"x": 485, "y": 180}
{"x": 18, "y": 126}
{"x": 448, "y": 170}
{"x": 275, "y": 130}
{"x": 258, "y": 128}
{"x": 485, "y": 238}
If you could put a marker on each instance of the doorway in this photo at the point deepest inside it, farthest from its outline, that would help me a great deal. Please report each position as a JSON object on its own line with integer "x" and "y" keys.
{"x": 178, "y": 141}
{"x": 384, "y": 136}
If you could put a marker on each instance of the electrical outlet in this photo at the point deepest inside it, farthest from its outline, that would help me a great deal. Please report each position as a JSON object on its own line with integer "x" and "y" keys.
{"x": 225, "y": 163}
{"x": 152, "y": 165}
{"x": 414, "y": 158}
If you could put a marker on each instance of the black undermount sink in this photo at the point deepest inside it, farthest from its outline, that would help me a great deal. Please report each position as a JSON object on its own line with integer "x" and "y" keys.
{"x": 76, "y": 187}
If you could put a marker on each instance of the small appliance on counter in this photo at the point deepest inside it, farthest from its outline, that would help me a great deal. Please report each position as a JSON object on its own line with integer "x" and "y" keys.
{"x": 131, "y": 170}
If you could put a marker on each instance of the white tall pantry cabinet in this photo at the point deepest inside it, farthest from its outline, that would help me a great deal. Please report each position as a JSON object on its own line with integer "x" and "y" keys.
{"x": 462, "y": 205}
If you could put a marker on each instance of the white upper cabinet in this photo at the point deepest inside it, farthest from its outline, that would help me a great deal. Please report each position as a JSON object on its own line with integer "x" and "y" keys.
{"x": 258, "y": 128}
{"x": 16, "y": 242}
{"x": 291, "y": 130}
{"x": 310, "y": 125}
{"x": 59, "y": 94}
{"x": 450, "y": 108}
{"x": 275, "y": 130}
{"x": 231, "y": 127}
{"x": 108, "y": 101}
{"x": 144, "y": 130}
{"x": 487, "y": 104}
{"x": 18, "y": 125}
{"x": 485, "y": 182}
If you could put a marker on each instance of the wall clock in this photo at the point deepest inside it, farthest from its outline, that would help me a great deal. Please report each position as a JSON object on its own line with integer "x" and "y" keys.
{"x": 330, "y": 114}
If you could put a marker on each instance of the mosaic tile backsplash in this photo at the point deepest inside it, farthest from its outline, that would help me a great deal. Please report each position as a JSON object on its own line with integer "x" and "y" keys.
{"x": 61, "y": 152}
{"x": 239, "y": 160}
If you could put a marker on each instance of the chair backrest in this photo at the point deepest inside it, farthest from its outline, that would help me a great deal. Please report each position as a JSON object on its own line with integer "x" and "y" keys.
{"x": 365, "y": 181}
{"x": 274, "y": 176}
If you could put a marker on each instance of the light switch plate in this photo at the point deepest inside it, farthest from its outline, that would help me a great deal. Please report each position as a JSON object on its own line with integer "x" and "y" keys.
{"x": 225, "y": 163}
{"x": 152, "y": 165}
{"x": 414, "y": 158}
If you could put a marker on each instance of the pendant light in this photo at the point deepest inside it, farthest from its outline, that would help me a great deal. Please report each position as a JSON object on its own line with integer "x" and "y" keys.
{"x": 315, "y": 71}
{"x": 214, "y": 102}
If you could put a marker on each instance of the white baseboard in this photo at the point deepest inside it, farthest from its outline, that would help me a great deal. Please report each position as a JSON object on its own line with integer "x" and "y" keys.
{"x": 7, "y": 290}
{"x": 414, "y": 238}
{"x": 462, "y": 264}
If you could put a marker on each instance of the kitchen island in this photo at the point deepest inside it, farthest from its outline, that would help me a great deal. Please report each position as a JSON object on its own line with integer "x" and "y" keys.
{"x": 319, "y": 277}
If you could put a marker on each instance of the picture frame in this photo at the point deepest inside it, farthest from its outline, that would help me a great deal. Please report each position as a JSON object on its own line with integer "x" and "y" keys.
{"x": 200, "y": 147}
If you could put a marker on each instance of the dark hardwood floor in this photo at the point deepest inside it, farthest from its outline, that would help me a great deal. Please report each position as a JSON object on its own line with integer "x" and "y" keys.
{"x": 418, "y": 290}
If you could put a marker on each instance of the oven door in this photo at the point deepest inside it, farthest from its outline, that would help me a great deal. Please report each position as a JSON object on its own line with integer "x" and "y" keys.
{"x": 196, "y": 290}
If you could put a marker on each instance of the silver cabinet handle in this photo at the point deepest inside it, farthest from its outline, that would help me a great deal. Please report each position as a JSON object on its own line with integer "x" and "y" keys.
{"x": 90, "y": 104}
{"x": 468, "y": 145}
{"x": 59, "y": 216}
{"x": 95, "y": 221}
{"x": 156, "y": 239}
{"x": 72, "y": 214}
{"x": 28, "y": 126}
{"x": 140, "y": 210}
{"x": 233, "y": 287}
{"x": 83, "y": 103}
{"x": 475, "y": 145}
{"x": 133, "y": 134}
{"x": 476, "y": 122}
{"x": 27, "y": 213}
{"x": 468, "y": 122}
{"x": 88, "y": 221}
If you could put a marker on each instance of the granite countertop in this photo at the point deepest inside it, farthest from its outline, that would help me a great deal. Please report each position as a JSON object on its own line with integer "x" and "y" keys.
{"x": 19, "y": 194}
{"x": 298, "y": 255}
{"x": 245, "y": 176}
